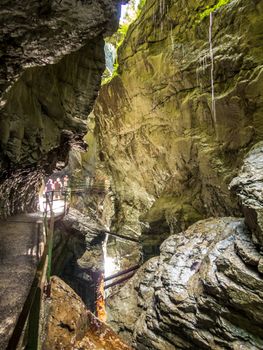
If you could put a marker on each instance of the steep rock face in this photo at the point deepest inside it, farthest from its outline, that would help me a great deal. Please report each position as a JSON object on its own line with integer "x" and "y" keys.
{"x": 204, "y": 291}
{"x": 249, "y": 187}
{"x": 171, "y": 155}
{"x": 71, "y": 326}
{"x": 52, "y": 59}
{"x": 42, "y": 32}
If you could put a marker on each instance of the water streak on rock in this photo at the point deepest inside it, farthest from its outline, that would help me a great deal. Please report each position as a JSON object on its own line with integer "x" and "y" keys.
{"x": 213, "y": 105}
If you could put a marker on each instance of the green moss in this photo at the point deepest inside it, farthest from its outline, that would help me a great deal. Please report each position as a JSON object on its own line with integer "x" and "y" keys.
{"x": 208, "y": 10}
{"x": 108, "y": 78}
{"x": 140, "y": 6}
{"x": 117, "y": 38}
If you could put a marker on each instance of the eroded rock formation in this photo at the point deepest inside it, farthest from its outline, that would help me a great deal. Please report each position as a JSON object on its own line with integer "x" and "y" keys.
{"x": 203, "y": 292}
{"x": 71, "y": 326}
{"x": 52, "y": 59}
{"x": 174, "y": 126}
{"x": 170, "y": 154}
{"x": 205, "y": 289}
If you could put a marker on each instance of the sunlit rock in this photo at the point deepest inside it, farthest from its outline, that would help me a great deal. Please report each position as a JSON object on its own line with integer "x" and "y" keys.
{"x": 202, "y": 292}
{"x": 71, "y": 326}
{"x": 170, "y": 156}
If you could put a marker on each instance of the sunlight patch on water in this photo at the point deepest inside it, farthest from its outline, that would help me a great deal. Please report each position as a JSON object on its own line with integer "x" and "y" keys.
{"x": 110, "y": 266}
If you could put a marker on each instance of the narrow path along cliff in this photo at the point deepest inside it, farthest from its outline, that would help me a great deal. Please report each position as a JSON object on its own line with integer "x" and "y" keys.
{"x": 148, "y": 116}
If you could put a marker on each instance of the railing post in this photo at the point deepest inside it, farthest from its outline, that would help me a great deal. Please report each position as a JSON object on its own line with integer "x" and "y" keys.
{"x": 46, "y": 195}
{"x": 65, "y": 202}
{"x": 50, "y": 247}
{"x": 40, "y": 239}
{"x": 51, "y": 205}
{"x": 33, "y": 322}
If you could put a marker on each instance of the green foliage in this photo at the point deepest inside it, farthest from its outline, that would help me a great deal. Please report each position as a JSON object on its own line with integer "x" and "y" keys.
{"x": 117, "y": 38}
{"x": 141, "y": 4}
{"x": 208, "y": 9}
{"x": 106, "y": 78}
{"x": 122, "y": 31}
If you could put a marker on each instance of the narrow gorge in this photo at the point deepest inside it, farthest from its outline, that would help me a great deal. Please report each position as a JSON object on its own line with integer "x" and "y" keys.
{"x": 148, "y": 116}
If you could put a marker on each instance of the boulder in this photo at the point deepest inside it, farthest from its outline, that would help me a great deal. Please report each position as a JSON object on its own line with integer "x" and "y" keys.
{"x": 204, "y": 291}
{"x": 70, "y": 325}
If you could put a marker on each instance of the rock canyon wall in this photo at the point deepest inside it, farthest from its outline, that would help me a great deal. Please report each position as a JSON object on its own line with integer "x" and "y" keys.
{"x": 171, "y": 147}
{"x": 179, "y": 128}
{"x": 52, "y": 59}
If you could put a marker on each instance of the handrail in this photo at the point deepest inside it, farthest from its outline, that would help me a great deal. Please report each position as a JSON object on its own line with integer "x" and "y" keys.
{"x": 23, "y": 317}
{"x": 123, "y": 279}
{"x": 32, "y": 305}
{"x": 120, "y": 273}
{"x": 49, "y": 222}
{"x": 118, "y": 235}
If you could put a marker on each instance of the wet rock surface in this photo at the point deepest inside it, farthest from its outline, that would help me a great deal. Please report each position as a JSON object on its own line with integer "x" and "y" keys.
{"x": 204, "y": 291}
{"x": 72, "y": 326}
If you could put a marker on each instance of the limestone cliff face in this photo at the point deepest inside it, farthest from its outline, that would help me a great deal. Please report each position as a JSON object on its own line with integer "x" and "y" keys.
{"x": 52, "y": 59}
{"x": 171, "y": 154}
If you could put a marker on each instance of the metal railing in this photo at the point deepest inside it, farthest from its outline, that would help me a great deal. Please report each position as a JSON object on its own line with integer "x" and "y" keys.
{"x": 124, "y": 274}
{"x": 29, "y": 318}
{"x": 56, "y": 205}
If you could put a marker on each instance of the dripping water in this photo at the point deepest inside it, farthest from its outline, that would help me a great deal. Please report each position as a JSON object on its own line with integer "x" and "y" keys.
{"x": 212, "y": 68}
{"x": 162, "y": 13}
{"x": 162, "y": 7}
{"x": 201, "y": 68}
{"x": 172, "y": 39}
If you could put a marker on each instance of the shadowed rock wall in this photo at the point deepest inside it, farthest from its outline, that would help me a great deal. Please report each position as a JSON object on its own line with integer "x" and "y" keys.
{"x": 78, "y": 255}
{"x": 52, "y": 59}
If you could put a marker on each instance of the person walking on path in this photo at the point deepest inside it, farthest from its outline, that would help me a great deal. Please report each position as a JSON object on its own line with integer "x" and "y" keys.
{"x": 58, "y": 187}
{"x": 48, "y": 191}
{"x": 65, "y": 182}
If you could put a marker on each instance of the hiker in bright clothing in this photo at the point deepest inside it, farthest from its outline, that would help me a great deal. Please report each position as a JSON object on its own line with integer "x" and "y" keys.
{"x": 57, "y": 188}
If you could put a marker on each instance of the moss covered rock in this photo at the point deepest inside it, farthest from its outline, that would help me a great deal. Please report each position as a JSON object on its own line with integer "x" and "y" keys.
{"x": 171, "y": 148}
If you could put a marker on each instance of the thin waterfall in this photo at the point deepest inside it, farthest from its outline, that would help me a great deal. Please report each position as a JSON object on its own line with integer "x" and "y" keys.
{"x": 172, "y": 39}
{"x": 104, "y": 251}
{"x": 213, "y": 106}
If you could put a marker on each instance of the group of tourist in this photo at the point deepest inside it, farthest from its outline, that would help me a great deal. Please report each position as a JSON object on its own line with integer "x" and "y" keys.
{"x": 57, "y": 186}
